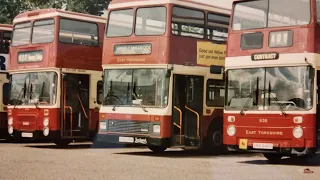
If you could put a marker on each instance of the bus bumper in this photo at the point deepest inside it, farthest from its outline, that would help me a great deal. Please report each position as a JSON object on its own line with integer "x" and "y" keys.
{"x": 119, "y": 139}
{"x": 279, "y": 150}
{"x": 35, "y": 135}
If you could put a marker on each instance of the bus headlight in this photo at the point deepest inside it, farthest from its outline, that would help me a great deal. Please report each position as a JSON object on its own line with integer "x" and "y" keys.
{"x": 231, "y": 130}
{"x": 156, "y": 128}
{"x": 103, "y": 125}
{"x": 10, "y": 130}
{"x": 10, "y": 121}
{"x": 46, "y": 122}
{"x": 46, "y": 131}
{"x": 297, "y": 132}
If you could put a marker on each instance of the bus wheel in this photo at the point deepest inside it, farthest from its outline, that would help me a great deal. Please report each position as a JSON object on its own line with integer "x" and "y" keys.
{"x": 157, "y": 149}
{"x": 62, "y": 143}
{"x": 273, "y": 158}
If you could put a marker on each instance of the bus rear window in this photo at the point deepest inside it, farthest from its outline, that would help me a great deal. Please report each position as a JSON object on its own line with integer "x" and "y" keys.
{"x": 151, "y": 21}
{"x": 120, "y": 23}
{"x": 78, "y": 32}
{"x": 21, "y": 34}
{"x": 43, "y": 31}
{"x": 270, "y": 13}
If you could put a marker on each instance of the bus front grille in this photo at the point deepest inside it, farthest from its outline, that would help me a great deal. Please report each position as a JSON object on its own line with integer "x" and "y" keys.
{"x": 124, "y": 126}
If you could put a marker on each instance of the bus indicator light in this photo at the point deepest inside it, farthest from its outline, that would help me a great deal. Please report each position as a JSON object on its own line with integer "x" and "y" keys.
{"x": 298, "y": 120}
{"x": 231, "y": 119}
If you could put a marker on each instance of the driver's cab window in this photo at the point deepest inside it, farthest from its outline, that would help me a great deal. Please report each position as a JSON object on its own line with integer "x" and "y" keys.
{"x": 215, "y": 93}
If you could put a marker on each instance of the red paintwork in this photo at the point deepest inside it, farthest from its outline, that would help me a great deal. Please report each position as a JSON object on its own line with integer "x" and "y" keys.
{"x": 5, "y": 26}
{"x": 306, "y": 39}
{"x": 249, "y": 127}
{"x": 61, "y": 55}
{"x": 57, "y": 55}
{"x": 166, "y": 49}
{"x": 35, "y": 118}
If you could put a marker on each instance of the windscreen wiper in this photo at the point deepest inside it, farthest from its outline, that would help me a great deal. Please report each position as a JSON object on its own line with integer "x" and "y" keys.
{"x": 31, "y": 94}
{"x": 23, "y": 91}
{"x": 244, "y": 108}
{"x": 142, "y": 107}
{"x": 276, "y": 100}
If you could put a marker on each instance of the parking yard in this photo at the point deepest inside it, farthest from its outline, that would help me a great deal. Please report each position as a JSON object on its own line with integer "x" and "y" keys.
{"x": 82, "y": 161}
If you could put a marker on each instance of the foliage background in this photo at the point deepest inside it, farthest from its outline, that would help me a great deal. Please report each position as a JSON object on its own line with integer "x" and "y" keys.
{"x": 11, "y": 8}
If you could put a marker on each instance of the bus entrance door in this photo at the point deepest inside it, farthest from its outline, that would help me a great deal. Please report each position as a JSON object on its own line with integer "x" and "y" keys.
{"x": 187, "y": 110}
{"x": 318, "y": 114}
{"x": 75, "y": 102}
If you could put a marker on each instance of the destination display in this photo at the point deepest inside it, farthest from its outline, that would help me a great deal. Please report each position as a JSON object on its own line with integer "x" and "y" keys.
{"x": 30, "y": 56}
{"x": 265, "y": 56}
{"x": 132, "y": 49}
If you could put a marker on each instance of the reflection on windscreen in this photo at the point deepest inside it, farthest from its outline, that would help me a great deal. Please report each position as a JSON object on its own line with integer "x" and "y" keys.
{"x": 271, "y": 13}
{"x": 148, "y": 87}
{"x": 267, "y": 88}
{"x": 21, "y": 34}
{"x": 31, "y": 88}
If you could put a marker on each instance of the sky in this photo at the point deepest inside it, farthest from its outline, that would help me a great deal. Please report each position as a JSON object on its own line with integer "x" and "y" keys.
{"x": 220, "y": 3}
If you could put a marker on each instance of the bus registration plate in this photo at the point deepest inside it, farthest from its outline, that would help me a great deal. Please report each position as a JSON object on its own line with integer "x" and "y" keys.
{"x": 26, "y": 135}
{"x": 262, "y": 145}
{"x": 126, "y": 139}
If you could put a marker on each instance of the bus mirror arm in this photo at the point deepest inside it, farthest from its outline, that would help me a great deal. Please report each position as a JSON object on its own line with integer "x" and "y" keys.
{"x": 168, "y": 73}
{"x": 216, "y": 69}
{"x": 311, "y": 73}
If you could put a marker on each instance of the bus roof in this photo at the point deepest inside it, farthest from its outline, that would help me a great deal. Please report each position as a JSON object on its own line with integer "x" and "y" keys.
{"x": 45, "y": 13}
{"x": 6, "y": 27}
{"x": 116, "y": 4}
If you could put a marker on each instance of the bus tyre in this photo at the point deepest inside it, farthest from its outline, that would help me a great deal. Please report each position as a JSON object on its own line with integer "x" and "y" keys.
{"x": 214, "y": 142}
{"x": 157, "y": 149}
{"x": 62, "y": 143}
{"x": 273, "y": 158}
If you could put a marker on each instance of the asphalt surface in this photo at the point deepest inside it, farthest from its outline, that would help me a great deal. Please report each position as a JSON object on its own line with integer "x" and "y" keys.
{"x": 82, "y": 161}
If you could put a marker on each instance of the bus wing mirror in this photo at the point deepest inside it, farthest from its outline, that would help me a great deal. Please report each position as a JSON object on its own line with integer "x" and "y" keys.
{"x": 216, "y": 69}
{"x": 311, "y": 72}
{"x": 168, "y": 73}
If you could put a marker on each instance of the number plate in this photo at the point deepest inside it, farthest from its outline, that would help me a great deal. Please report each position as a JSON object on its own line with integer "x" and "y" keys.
{"x": 126, "y": 139}
{"x": 262, "y": 146}
{"x": 27, "y": 135}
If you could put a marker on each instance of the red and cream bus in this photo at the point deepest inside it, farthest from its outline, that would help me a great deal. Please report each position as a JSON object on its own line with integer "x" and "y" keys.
{"x": 272, "y": 77}
{"x": 5, "y": 40}
{"x": 158, "y": 89}
{"x": 55, "y": 75}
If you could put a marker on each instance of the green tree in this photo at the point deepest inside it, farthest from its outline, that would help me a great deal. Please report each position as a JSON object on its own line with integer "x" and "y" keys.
{"x": 11, "y": 8}
{"x": 93, "y": 7}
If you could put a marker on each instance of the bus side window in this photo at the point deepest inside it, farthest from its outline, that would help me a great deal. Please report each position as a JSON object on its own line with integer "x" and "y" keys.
{"x": 215, "y": 93}
{"x": 99, "y": 92}
{"x": 5, "y": 94}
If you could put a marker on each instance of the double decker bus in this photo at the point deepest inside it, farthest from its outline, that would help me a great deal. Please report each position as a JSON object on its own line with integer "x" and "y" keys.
{"x": 158, "y": 89}
{"x": 5, "y": 40}
{"x": 55, "y": 75}
{"x": 272, "y": 69}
